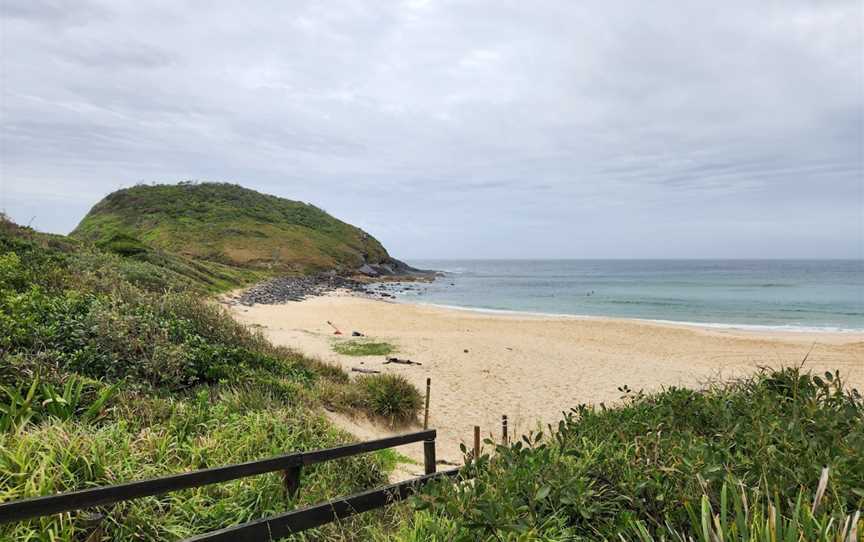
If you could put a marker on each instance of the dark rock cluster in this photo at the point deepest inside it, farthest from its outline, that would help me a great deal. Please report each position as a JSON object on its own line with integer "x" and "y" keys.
{"x": 388, "y": 290}
{"x": 282, "y": 289}
{"x": 382, "y": 286}
{"x": 393, "y": 268}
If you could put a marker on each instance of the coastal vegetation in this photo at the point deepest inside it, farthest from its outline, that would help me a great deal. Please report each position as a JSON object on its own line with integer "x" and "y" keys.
{"x": 225, "y": 224}
{"x": 389, "y": 398}
{"x": 357, "y": 347}
{"x": 774, "y": 457}
{"x": 117, "y": 364}
{"x": 114, "y": 368}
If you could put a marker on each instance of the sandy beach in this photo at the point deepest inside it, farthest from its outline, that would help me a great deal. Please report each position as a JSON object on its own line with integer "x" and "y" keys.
{"x": 534, "y": 367}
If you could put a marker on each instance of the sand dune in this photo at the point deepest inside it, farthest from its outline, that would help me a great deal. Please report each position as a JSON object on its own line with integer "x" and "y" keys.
{"x": 531, "y": 367}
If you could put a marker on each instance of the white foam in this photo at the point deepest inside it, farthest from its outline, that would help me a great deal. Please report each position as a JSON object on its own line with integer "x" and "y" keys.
{"x": 710, "y": 325}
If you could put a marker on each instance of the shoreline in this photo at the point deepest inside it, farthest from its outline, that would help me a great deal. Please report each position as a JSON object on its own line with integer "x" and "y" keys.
{"x": 756, "y": 328}
{"x": 533, "y": 368}
{"x": 395, "y": 288}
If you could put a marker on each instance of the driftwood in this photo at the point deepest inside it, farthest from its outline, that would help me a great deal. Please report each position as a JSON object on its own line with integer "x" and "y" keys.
{"x": 365, "y": 371}
{"x": 402, "y": 361}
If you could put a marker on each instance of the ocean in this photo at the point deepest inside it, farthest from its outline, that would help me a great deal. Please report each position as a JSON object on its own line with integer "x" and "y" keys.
{"x": 806, "y": 295}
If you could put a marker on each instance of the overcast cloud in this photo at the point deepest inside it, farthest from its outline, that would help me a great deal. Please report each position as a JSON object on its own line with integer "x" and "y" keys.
{"x": 456, "y": 129}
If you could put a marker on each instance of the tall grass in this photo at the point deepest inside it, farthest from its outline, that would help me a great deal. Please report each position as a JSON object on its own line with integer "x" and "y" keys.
{"x": 386, "y": 397}
{"x": 754, "y": 515}
{"x": 147, "y": 437}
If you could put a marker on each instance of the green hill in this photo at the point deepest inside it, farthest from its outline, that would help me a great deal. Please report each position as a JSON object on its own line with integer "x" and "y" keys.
{"x": 230, "y": 225}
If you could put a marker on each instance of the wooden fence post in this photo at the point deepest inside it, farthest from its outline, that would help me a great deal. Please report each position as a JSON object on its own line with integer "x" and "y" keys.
{"x": 291, "y": 480}
{"x": 426, "y": 415}
{"x": 429, "y": 456}
{"x": 504, "y": 439}
{"x": 476, "y": 442}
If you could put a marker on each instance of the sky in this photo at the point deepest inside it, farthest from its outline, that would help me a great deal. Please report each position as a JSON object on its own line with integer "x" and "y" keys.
{"x": 475, "y": 129}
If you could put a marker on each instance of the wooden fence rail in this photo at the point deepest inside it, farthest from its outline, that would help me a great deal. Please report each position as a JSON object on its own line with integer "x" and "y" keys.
{"x": 295, "y": 521}
{"x": 290, "y": 464}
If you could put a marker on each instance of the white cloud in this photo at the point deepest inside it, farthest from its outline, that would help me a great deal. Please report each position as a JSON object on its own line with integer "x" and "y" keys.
{"x": 486, "y": 122}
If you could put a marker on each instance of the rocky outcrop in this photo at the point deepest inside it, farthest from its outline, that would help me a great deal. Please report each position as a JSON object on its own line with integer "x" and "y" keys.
{"x": 373, "y": 282}
{"x": 394, "y": 268}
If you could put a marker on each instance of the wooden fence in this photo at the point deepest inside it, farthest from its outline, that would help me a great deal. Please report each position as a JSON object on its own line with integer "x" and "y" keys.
{"x": 270, "y": 528}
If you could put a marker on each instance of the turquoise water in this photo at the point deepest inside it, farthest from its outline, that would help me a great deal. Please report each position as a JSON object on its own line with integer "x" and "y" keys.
{"x": 785, "y": 294}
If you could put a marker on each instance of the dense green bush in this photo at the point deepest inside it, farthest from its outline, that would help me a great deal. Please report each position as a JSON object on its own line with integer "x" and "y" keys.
{"x": 78, "y": 313}
{"x": 601, "y": 472}
{"x": 123, "y": 244}
{"x": 389, "y": 397}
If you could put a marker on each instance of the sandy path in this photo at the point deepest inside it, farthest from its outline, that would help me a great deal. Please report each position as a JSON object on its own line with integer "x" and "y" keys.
{"x": 533, "y": 368}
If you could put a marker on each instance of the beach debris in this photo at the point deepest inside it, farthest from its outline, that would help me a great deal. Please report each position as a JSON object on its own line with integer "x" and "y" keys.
{"x": 357, "y": 334}
{"x": 337, "y": 332}
{"x": 466, "y": 350}
{"x": 364, "y": 370}
{"x": 402, "y": 361}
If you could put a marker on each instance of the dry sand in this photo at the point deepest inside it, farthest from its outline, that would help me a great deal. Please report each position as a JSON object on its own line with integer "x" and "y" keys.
{"x": 532, "y": 367}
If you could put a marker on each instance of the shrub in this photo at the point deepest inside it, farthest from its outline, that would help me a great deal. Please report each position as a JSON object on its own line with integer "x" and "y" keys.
{"x": 655, "y": 460}
{"x": 387, "y": 396}
{"x": 390, "y": 396}
{"x": 343, "y": 396}
{"x": 123, "y": 244}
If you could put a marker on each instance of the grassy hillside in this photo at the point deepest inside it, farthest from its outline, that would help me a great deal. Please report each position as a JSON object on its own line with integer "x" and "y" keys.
{"x": 741, "y": 461}
{"x": 113, "y": 368}
{"x": 229, "y": 225}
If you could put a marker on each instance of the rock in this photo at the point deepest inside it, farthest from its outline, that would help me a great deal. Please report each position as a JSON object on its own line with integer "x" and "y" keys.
{"x": 367, "y": 270}
{"x": 283, "y": 289}
{"x": 357, "y": 334}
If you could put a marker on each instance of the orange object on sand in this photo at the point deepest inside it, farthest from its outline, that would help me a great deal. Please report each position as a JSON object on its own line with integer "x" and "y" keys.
{"x": 337, "y": 332}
